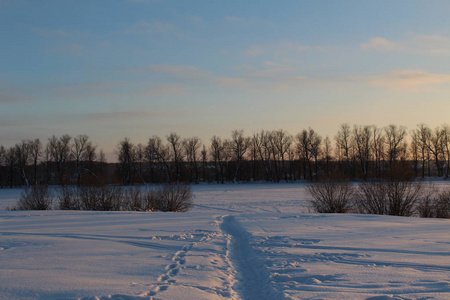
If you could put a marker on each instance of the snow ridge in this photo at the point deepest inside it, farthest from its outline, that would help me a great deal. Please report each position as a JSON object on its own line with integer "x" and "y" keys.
{"x": 252, "y": 278}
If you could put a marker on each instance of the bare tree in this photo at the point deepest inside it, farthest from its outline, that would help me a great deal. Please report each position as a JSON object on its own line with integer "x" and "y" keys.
{"x": 217, "y": 154}
{"x": 282, "y": 141}
{"x": 414, "y": 152}
{"x": 446, "y": 147}
{"x": 435, "y": 147}
{"x": 60, "y": 154}
{"x": 343, "y": 146}
{"x": 101, "y": 164}
{"x": 191, "y": 147}
{"x": 140, "y": 153}
{"x": 22, "y": 151}
{"x": 362, "y": 136}
{"x": 308, "y": 145}
{"x": 10, "y": 159}
{"x": 83, "y": 152}
{"x": 395, "y": 143}
{"x": 177, "y": 153}
{"x": 2, "y": 161}
{"x": 36, "y": 153}
{"x": 239, "y": 145}
{"x": 421, "y": 137}
{"x": 158, "y": 153}
{"x": 315, "y": 142}
{"x": 204, "y": 155}
{"x": 377, "y": 147}
{"x": 126, "y": 155}
{"x": 261, "y": 144}
{"x": 303, "y": 148}
{"x": 327, "y": 156}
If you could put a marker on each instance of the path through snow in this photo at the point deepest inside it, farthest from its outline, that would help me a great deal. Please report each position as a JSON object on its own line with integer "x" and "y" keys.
{"x": 253, "y": 280}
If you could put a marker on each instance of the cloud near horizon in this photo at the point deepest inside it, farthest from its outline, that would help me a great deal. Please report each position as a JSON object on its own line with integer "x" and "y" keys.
{"x": 269, "y": 75}
{"x": 410, "y": 80}
{"x": 414, "y": 44}
{"x": 282, "y": 48}
{"x": 127, "y": 115}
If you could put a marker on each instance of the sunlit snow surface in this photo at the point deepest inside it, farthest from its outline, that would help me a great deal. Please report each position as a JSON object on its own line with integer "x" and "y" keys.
{"x": 241, "y": 241}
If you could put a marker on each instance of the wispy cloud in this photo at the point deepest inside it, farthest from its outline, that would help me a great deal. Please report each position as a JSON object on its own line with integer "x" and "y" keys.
{"x": 15, "y": 98}
{"x": 5, "y": 124}
{"x": 380, "y": 44}
{"x": 127, "y": 115}
{"x": 82, "y": 91}
{"x": 410, "y": 80}
{"x": 116, "y": 90}
{"x": 183, "y": 71}
{"x": 283, "y": 48}
{"x": 59, "y": 33}
{"x": 190, "y": 73}
{"x": 69, "y": 48}
{"x": 12, "y": 95}
{"x": 269, "y": 69}
{"x": 255, "y": 50}
{"x": 269, "y": 76}
{"x": 414, "y": 44}
{"x": 153, "y": 28}
{"x": 234, "y": 19}
{"x": 169, "y": 90}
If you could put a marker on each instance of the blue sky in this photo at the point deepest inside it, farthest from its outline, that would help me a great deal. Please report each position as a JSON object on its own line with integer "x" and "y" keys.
{"x": 112, "y": 69}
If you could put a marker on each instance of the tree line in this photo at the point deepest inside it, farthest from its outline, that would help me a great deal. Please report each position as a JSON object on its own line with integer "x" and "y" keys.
{"x": 355, "y": 152}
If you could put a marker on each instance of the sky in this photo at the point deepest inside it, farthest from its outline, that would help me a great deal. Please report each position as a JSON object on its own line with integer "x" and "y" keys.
{"x": 137, "y": 68}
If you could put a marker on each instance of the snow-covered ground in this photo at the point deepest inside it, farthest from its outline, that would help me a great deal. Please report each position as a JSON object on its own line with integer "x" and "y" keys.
{"x": 241, "y": 241}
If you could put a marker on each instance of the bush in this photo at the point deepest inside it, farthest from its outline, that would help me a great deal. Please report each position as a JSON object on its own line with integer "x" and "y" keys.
{"x": 101, "y": 198}
{"x": 372, "y": 198}
{"x": 68, "y": 198}
{"x": 443, "y": 204}
{"x": 391, "y": 196}
{"x": 331, "y": 195}
{"x": 435, "y": 207}
{"x": 133, "y": 199}
{"x": 35, "y": 198}
{"x": 150, "y": 200}
{"x": 171, "y": 197}
{"x": 397, "y": 193}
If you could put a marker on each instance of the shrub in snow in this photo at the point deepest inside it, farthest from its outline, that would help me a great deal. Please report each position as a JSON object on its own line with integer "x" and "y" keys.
{"x": 435, "y": 207}
{"x": 133, "y": 199}
{"x": 172, "y": 197}
{"x": 35, "y": 198}
{"x": 68, "y": 198}
{"x": 397, "y": 194}
{"x": 443, "y": 204}
{"x": 371, "y": 198}
{"x": 150, "y": 200}
{"x": 102, "y": 197}
{"x": 331, "y": 195}
{"x": 394, "y": 197}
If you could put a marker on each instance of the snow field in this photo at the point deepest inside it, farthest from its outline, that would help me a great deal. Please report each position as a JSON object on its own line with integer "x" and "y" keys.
{"x": 243, "y": 241}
